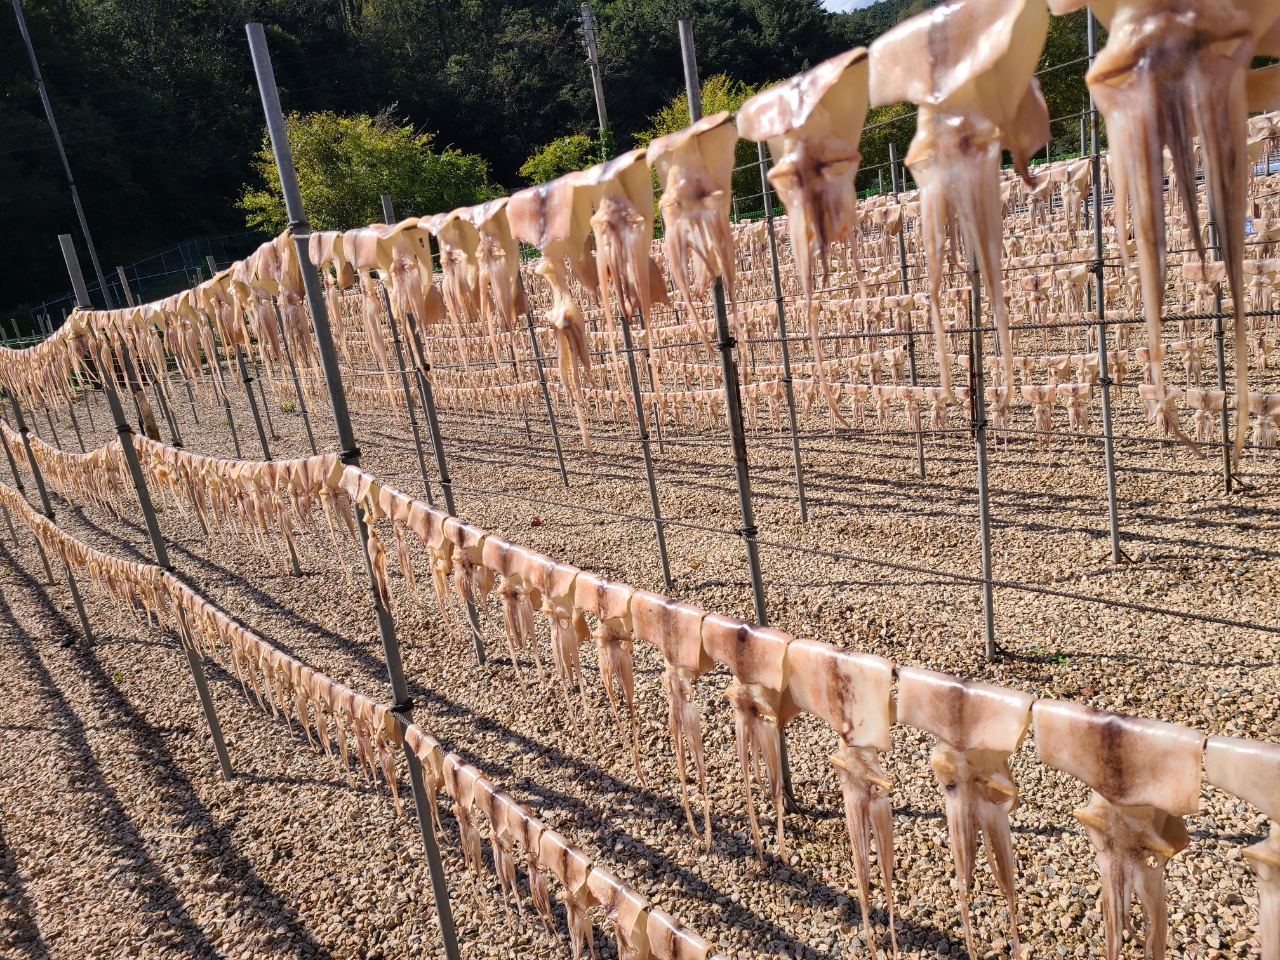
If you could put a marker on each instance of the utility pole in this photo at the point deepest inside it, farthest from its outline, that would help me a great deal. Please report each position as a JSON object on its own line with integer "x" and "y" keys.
{"x": 66, "y": 167}
{"x": 597, "y": 84}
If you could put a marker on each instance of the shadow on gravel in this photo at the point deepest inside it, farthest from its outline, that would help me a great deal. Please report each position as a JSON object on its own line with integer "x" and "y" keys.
{"x": 261, "y": 909}
{"x": 19, "y": 931}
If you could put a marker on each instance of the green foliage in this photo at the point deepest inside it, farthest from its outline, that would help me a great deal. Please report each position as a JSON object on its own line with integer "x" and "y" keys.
{"x": 894, "y": 124}
{"x": 560, "y": 156}
{"x": 346, "y": 164}
{"x": 156, "y": 100}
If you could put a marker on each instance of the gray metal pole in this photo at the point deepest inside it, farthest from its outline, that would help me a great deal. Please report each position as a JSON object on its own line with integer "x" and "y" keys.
{"x": 728, "y": 366}
{"x": 906, "y": 289}
{"x": 597, "y": 81}
{"x": 253, "y": 401}
{"x": 293, "y": 372}
{"x": 47, "y": 509}
{"x": 781, "y": 315}
{"x": 62, "y": 154}
{"x": 428, "y": 397}
{"x": 546, "y": 394}
{"x": 125, "y": 434}
{"x": 408, "y": 394}
{"x": 18, "y": 485}
{"x": 202, "y": 688}
{"x": 13, "y": 531}
{"x": 642, "y": 424}
{"x": 301, "y": 231}
{"x": 1100, "y": 305}
{"x": 1220, "y": 354}
{"x": 978, "y": 401}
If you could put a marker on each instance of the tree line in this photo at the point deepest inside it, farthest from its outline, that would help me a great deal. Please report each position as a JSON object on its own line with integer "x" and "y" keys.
{"x": 158, "y": 105}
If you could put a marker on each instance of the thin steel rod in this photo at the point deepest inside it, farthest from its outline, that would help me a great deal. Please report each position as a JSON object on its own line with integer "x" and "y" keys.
{"x": 546, "y": 394}
{"x": 408, "y": 394}
{"x": 266, "y": 407}
{"x": 293, "y": 372}
{"x": 781, "y": 316}
{"x": 62, "y": 155}
{"x": 978, "y": 402}
{"x": 728, "y": 367}
{"x": 139, "y": 481}
{"x": 301, "y": 232}
{"x": 1220, "y": 354}
{"x": 21, "y": 488}
{"x": 253, "y": 401}
{"x": 906, "y": 289}
{"x": 642, "y": 424}
{"x": 202, "y": 688}
{"x": 13, "y": 531}
{"x": 1100, "y": 300}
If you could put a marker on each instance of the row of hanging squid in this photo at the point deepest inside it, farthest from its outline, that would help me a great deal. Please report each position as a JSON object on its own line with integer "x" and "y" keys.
{"x": 351, "y": 728}
{"x": 1146, "y": 775}
{"x": 1173, "y": 75}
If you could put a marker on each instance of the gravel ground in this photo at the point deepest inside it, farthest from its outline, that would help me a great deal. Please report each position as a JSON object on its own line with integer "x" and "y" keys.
{"x": 120, "y": 808}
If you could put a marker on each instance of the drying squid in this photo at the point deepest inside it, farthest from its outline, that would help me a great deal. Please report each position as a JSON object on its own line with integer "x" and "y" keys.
{"x": 554, "y": 583}
{"x": 556, "y": 218}
{"x": 813, "y": 123}
{"x": 497, "y": 264}
{"x": 626, "y": 910}
{"x": 695, "y": 173}
{"x": 610, "y": 604}
{"x": 757, "y": 657}
{"x": 361, "y": 250}
{"x": 978, "y": 727}
{"x": 519, "y": 599}
{"x": 852, "y": 693}
{"x": 1170, "y": 71}
{"x": 1251, "y": 771}
{"x": 1145, "y": 777}
{"x": 459, "y": 283}
{"x": 623, "y": 227}
{"x": 460, "y": 783}
{"x": 571, "y": 867}
{"x": 528, "y": 829}
{"x": 969, "y": 66}
{"x": 675, "y": 629}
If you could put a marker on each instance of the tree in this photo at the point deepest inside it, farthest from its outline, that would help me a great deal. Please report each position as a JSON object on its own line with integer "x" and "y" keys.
{"x": 346, "y": 163}
{"x": 561, "y": 156}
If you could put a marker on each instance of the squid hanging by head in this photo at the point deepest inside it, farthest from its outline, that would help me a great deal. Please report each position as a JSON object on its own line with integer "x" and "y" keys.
{"x": 1171, "y": 71}
{"x": 813, "y": 123}
{"x": 555, "y": 218}
{"x": 969, "y": 66}
{"x": 695, "y": 172}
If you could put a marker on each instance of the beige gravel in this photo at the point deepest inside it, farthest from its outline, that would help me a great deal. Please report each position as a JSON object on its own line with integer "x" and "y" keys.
{"x": 119, "y": 839}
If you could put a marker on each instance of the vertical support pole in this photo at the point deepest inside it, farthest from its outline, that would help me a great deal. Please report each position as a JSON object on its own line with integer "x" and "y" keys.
{"x": 46, "y": 507}
{"x": 21, "y": 488}
{"x": 253, "y": 402}
{"x": 906, "y": 289}
{"x": 293, "y": 372}
{"x": 1100, "y": 305}
{"x": 408, "y": 393}
{"x": 266, "y": 407}
{"x": 53, "y": 431}
{"x": 202, "y": 688}
{"x": 728, "y": 366}
{"x": 978, "y": 400}
{"x": 350, "y": 454}
{"x": 130, "y": 454}
{"x": 13, "y": 531}
{"x": 781, "y": 316}
{"x": 542, "y": 383}
{"x": 597, "y": 83}
{"x": 1220, "y": 354}
{"x": 17, "y": 479}
{"x": 62, "y": 155}
{"x": 428, "y": 398}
